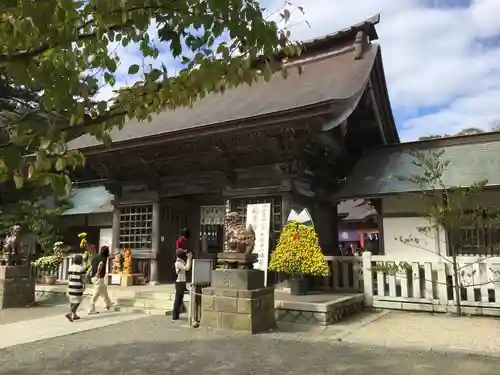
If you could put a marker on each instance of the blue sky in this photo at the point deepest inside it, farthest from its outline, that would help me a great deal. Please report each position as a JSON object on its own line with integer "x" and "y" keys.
{"x": 441, "y": 57}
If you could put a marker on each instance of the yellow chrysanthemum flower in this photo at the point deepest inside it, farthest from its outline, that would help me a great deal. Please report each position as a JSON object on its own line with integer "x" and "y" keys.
{"x": 298, "y": 252}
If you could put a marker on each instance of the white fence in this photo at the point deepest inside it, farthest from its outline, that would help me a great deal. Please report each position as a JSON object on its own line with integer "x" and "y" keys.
{"x": 346, "y": 274}
{"x": 419, "y": 284}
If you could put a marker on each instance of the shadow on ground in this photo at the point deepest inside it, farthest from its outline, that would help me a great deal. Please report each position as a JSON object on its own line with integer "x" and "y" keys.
{"x": 125, "y": 349}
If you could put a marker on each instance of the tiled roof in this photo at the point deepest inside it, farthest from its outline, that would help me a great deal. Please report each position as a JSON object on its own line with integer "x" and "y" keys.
{"x": 334, "y": 78}
{"x": 355, "y": 210}
{"x": 472, "y": 159}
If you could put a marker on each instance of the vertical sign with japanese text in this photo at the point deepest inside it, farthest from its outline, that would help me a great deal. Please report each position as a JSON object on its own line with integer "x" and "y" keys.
{"x": 259, "y": 217}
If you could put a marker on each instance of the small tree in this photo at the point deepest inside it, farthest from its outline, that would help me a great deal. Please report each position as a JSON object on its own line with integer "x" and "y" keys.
{"x": 298, "y": 252}
{"x": 448, "y": 207}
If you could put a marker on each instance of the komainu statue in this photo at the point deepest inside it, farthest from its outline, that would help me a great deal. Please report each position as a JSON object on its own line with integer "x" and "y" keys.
{"x": 117, "y": 265}
{"x": 239, "y": 239}
{"x": 12, "y": 254}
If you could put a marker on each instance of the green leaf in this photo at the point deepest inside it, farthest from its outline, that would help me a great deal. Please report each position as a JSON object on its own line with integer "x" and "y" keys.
{"x": 60, "y": 164}
{"x": 31, "y": 171}
{"x": 133, "y": 69}
{"x": 44, "y": 144}
{"x": 18, "y": 181}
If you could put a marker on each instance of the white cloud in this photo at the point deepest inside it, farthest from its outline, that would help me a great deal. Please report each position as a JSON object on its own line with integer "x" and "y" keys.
{"x": 442, "y": 54}
{"x": 437, "y": 53}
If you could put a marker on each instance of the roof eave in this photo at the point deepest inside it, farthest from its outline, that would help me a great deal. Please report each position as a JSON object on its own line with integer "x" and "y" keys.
{"x": 275, "y": 118}
{"x": 387, "y": 118}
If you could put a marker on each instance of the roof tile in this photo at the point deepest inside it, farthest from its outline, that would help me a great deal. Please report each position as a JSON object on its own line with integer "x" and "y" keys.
{"x": 336, "y": 77}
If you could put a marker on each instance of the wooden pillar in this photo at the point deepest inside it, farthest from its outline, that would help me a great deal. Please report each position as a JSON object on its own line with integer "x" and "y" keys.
{"x": 324, "y": 217}
{"x": 286, "y": 206}
{"x": 155, "y": 248}
{"x": 115, "y": 231}
{"x": 377, "y": 204}
{"x": 334, "y": 227}
{"x": 195, "y": 228}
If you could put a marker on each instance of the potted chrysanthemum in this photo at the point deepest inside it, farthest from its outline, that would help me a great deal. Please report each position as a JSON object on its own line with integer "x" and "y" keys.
{"x": 298, "y": 254}
{"x": 49, "y": 264}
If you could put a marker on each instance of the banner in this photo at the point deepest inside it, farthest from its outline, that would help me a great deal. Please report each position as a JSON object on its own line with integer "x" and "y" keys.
{"x": 259, "y": 217}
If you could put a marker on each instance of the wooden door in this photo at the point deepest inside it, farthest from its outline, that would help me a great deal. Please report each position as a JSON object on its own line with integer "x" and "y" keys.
{"x": 174, "y": 219}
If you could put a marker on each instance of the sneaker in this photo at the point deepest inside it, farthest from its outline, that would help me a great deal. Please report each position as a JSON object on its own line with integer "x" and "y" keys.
{"x": 76, "y": 317}
{"x": 93, "y": 312}
{"x": 110, "y": 306}
{"x": 69, "y": 317}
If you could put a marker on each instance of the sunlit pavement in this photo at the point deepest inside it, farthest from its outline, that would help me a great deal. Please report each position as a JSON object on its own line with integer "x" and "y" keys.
{"x": 153, "y": 345}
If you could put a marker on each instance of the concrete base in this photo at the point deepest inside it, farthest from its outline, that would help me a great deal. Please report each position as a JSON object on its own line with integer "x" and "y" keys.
{"x": 230, "y": 304}
{"x": 317, "y": 309}
{"x": 17, "y": 287}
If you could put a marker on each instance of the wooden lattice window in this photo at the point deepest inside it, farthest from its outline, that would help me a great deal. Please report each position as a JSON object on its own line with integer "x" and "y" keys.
{"x": 136, "y": 227}
{"x": 240, "y": 206}
{"x": 477, "y": 241}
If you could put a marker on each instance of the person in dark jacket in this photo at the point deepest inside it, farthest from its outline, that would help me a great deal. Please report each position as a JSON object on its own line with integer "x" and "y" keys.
{"x": 97, "y": 275}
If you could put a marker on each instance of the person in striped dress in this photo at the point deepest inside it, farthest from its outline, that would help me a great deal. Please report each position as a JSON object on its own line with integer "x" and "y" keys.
{"x": 76, "y": 286}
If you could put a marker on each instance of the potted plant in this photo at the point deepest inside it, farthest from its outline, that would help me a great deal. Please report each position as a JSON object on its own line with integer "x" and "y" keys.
{"x": 49, "y": 264}
{"x": 298, "y": 254}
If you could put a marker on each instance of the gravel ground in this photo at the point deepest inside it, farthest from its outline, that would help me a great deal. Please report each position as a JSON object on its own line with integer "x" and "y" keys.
{"x": 153, "y": 345}
{"x": 400, "y": 328}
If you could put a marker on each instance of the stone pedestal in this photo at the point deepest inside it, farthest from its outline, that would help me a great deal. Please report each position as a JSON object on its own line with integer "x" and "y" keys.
{"x": 17, "y": 287}
{"x": 238, "y": 300}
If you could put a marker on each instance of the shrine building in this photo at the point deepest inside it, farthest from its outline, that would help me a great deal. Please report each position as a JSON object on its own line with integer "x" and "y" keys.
{"x": 287, "y": 142}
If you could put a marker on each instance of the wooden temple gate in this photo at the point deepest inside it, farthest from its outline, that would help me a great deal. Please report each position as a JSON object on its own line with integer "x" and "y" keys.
{"x": 288, "y": 142}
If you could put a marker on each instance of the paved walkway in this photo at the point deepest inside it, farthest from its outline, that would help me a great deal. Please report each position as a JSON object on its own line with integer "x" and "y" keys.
{"x": 27, "y": 331}
{"x": 431, "y": 332}
{"x": 28, "y": 313}
{"x": 155, "y": 346}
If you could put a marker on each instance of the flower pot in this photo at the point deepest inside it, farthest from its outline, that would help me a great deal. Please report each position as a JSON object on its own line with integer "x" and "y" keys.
{"x": 298, "y": 287}
{"x": 50, "y": 280}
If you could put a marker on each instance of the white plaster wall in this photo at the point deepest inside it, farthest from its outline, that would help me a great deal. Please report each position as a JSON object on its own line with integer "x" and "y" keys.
{"x": 431, "y": 245}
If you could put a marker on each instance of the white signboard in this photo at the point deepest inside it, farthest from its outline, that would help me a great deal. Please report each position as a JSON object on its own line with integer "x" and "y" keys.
{"x": 116, "y": 279}
{"x": 259, "y": 217}
{"x": 105, "y": 237}
{"x": 202, "y": 271}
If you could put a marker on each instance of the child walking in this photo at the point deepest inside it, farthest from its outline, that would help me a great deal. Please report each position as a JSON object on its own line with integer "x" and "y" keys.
{"x": 76, "y": 286}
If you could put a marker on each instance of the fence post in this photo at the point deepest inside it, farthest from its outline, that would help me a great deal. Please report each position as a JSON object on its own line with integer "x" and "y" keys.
{"x": 368, "y": 278}
{"x": 442, "y": 283}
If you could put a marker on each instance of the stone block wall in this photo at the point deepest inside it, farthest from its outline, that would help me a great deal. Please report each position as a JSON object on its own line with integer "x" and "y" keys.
{"x": 17, "y": 287}
{"x": 238, "y": 300}
{"x": 245, "y": 310}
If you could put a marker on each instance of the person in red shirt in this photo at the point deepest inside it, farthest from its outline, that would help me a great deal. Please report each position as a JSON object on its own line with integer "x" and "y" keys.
{"x": 181, "y": 242}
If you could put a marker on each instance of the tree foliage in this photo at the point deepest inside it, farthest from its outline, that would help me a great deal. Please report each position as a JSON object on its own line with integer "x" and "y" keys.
{"x": 25, "y": 208}
{"x": 55, "y": 55}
